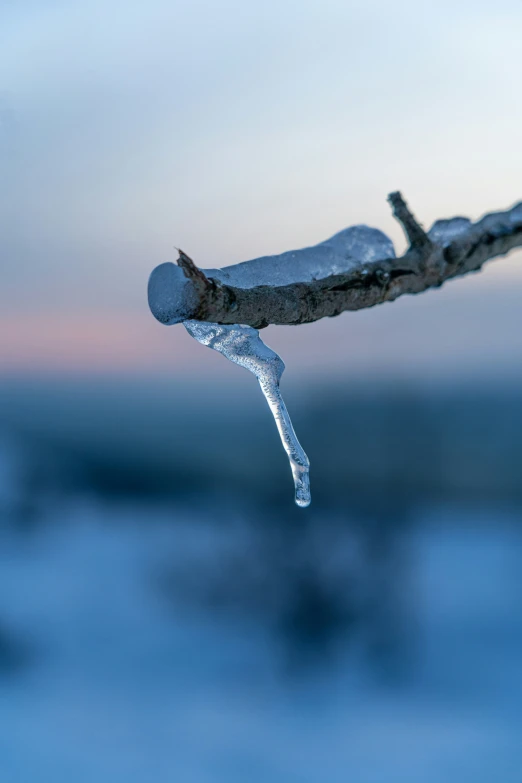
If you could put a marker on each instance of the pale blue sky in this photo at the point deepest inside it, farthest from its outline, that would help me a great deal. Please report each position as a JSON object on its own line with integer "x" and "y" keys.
{"x": 237, "y": 129}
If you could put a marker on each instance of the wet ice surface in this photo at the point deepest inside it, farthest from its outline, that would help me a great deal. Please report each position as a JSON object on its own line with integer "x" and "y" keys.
{"x": 243, "y": 346}
{"x": 445, "y": 231}
{"x": 123, "y": 690}
{"x": 516, "y": 215}
{"x": 345, "y": 250}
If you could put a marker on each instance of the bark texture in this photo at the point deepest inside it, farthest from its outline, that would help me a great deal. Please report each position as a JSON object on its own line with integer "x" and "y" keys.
{"x": 431, "y": 259}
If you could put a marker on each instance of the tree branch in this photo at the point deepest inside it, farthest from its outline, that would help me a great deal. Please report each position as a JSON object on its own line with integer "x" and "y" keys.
{"x": 413, "y": 230}
{"x": 356, "y": 268}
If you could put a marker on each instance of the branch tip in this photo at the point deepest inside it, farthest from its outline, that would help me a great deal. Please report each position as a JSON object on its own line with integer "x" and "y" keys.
{"x": 412, "y": 228}
{"x": 191, "y": 271}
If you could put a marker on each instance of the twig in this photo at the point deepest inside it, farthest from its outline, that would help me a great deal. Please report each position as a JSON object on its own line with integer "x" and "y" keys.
{"x": 247, "y": 293}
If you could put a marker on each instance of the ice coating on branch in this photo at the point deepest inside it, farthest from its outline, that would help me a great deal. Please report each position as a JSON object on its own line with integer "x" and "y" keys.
{"x": 445, "y": 231}
{"x": 172, "y": 298}
{"x": 345, "y": 250}
{"x": 498, "y": 224}
{"x": 516, "y": 214}
{"x": 242, "y": 345}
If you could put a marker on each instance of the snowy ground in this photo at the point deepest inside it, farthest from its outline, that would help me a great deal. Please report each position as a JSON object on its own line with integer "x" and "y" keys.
{"x": 120, "y": 686}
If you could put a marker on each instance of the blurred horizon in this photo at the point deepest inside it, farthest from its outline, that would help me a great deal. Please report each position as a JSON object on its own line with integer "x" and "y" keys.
{"x": 455, "y": 334}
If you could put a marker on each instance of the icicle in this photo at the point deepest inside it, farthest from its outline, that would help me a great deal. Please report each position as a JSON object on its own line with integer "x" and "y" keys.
{"x": 243, "y": 346}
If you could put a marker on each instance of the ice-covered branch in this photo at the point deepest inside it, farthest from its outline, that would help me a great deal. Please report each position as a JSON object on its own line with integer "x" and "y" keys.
{"x": 356, "y": 268}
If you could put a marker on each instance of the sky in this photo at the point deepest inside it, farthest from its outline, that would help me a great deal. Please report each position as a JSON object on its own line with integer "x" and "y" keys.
{"x": 235, "y": 130}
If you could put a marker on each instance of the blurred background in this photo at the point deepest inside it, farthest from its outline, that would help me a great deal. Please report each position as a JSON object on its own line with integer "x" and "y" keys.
{"x": 166, "y": 612}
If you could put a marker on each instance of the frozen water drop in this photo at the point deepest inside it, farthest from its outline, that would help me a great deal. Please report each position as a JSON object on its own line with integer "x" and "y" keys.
{"x": 382, "y": 275}
{"x": 243, "y": 346}
{"x": 516, "y": 214}
{"x": 445, "y": 231}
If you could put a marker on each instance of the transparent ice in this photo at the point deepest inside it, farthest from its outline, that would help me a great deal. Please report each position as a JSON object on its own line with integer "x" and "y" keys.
{"x": 516, "y": 214}
{"x": 337, "y": 255}
{"x": 243, "y": 346}
{"x": 445, "y": 231}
